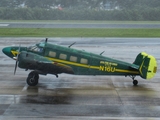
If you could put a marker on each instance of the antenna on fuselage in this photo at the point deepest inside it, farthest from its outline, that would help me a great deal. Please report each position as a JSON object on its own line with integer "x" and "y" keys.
{"x": 46, "y": 40}
{"x": 71, "y": 44}
{"x": 102, "y": 52}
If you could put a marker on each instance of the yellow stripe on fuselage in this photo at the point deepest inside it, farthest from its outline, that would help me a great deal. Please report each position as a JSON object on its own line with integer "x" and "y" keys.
{"x": 72, "y": 63}
{"x": 88, "y": 66}
{"x": 127, "y": 71}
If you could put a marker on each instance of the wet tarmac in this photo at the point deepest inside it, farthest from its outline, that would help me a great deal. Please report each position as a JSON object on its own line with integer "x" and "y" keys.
{"x": 72, "y": 97}
{"x": 76, "y": 25}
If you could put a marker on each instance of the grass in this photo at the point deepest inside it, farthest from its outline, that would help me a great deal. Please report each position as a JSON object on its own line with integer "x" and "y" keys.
{"x": 79, "y": 32}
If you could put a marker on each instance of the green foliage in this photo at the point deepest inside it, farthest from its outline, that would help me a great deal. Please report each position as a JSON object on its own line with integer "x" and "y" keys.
{"x": 123, "y": 4}
{"x": 147, "y": 14}
{"x": 129, "y": 10}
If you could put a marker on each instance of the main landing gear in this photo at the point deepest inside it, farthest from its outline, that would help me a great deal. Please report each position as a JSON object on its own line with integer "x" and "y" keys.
{"x": 32, "y": 79}
{"x": 135, "y": 82}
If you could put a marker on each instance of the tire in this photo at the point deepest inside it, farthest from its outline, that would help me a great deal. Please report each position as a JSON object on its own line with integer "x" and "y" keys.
{"x": 135, "y": 82}
{"x": 32, "y": 79}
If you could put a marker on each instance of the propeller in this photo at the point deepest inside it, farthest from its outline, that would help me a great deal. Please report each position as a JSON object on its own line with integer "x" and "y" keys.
{"x": 16, "y": 58}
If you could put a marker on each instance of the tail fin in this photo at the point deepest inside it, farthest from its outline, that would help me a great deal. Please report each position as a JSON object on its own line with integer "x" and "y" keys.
{"x": 147, "y": 65}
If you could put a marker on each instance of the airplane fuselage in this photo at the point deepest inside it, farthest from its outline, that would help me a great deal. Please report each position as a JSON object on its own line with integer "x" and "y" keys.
{"x": 84, "y": 63}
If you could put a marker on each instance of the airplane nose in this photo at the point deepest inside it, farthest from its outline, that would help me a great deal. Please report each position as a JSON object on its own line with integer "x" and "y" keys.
{"x": 7, "y": 51}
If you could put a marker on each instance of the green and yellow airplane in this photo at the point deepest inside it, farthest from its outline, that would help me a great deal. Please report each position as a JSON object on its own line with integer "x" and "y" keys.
{"x": 45, "y": 58}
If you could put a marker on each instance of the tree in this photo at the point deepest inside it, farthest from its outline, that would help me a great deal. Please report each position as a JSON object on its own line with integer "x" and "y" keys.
{"x": 123, "y": 4}
{"x": 39, "y": 3}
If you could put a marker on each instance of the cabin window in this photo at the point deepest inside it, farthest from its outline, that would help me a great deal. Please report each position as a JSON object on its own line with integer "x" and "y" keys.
{"x": 52, "y": 54}
{"x": 63, "y": 56}
{"x": 73, "y": 58}
{"x": 84, "y": 61}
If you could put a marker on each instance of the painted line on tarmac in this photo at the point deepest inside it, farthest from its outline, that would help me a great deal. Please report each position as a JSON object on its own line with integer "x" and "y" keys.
{"x": 4, "y": 25}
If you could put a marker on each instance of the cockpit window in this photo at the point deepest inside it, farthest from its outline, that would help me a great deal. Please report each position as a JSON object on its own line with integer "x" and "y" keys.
{"x": 35, "y": 49}
{"x": 42, "y": 44}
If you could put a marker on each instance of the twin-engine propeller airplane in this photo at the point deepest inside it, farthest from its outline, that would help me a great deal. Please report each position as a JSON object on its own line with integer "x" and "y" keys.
{"x": 45, "y": 58}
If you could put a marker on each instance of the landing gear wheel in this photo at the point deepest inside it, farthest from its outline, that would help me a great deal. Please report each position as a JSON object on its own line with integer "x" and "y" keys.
{"x": 135, "y": 82}
{"x": 32, "y": 79}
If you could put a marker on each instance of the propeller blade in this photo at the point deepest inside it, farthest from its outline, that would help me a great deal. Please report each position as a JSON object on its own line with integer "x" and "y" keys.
{"x": 16, "y": 58}
{"x": 15, "y": 67}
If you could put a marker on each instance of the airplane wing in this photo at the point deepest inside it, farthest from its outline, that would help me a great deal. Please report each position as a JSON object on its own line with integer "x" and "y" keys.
{"x": 32, "y": 61}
